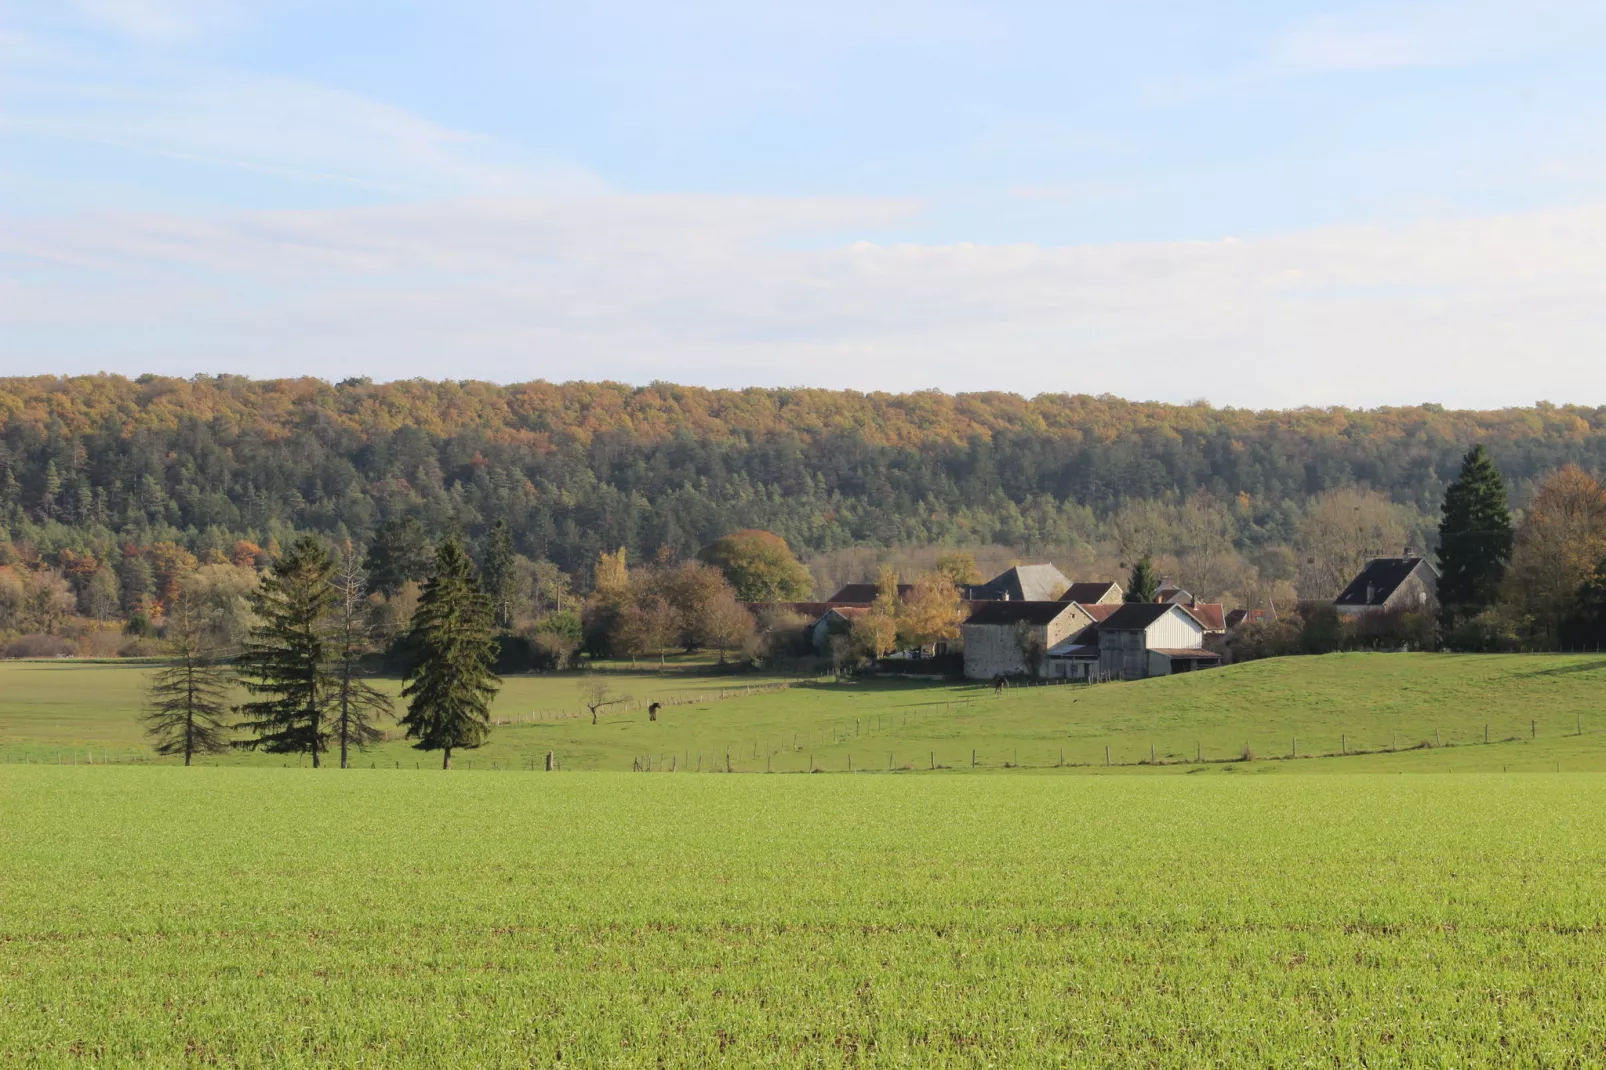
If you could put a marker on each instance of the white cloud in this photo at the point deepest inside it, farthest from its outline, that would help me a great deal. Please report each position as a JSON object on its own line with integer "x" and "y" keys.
{"x": 1434, "y": 34}
{"x": 158, "y": 21}
{"x": 702, "y": 289}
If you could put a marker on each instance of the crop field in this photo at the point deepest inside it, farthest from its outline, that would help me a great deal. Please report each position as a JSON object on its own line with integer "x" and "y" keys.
{"x": 250, "y": 916}
{"x": 1343, "y": 712}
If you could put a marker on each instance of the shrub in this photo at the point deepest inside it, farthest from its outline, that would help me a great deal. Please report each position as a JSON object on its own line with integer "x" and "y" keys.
{"x": 39, "y": 645}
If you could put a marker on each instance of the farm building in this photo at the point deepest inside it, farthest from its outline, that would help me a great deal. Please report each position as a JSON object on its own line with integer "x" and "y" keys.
{"x": 1136, "y": 641}
{"x": 1000, "y": 635}
{"x": 1400, "y": 584}
{"x": 1022, "y": 583}
{"x": 1094, "y": 593}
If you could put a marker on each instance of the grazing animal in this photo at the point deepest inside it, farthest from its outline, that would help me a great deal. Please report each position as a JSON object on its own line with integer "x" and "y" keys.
{"x": 999, "y": 683}
{"x": 652, "y": 711}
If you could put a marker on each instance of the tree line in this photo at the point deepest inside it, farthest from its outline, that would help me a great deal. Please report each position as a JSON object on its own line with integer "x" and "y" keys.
{"x": 301, "y": 664}
{"x": 1506, "y": 583}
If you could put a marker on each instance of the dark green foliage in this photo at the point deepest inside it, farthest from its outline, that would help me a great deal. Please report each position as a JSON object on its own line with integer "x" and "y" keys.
{"x": 451, "y": 682}
{"x": 284, "y": 664}
{"x": 400, "y": 554}
{"x": 1586, "y": 629}
{"x": 1475, "y": 538}
{"x": 498, "y": 574}
{"x": 1142, "y": 585}
{"x": 189, "y": 696}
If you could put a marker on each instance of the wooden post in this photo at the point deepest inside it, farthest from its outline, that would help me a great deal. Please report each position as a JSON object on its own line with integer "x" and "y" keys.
{"x": 1293, "y": 747}
{"x": 1106, "y": 756}
{"x": 1198, "y": 752}
{"x": 1486, "y": 733}
{"x": 933, "y": 760}
{"x": 973, "y": 758}
{"x": 1533, "y": 729}
{"x": 1343, "y": 743}
{"x": 1062, "y": 757}
{"x": 850, "y": 763}
{"x": 727, "y": 760}
{"x": 1151, "y": 753}
{"x": 1438, "y": 740}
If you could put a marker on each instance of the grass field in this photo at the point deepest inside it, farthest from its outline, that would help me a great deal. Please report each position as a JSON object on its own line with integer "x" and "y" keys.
{"x": 268, "y": 916}
{"x": 1540, "y": 712}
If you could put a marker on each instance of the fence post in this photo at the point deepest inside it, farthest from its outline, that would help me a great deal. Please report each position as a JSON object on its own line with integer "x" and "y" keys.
{"x": 1343, "y": 743}
{"x": 1438, "y": 740}
{"x": 1533, "y": 729}
{"x": 1486, "y": 733}
{"x": 1293, "y": 747}
{"x": 1106, "y": 756}
{"x": 973, "y": 758}
{"x": 1151, "y": 754}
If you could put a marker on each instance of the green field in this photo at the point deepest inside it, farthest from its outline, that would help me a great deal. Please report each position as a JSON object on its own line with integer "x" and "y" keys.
{"x": 1539, "y": 712}
{"x": 267, "y": 916}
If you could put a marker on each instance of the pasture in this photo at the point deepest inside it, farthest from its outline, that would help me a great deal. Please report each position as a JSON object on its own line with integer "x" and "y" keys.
{"x": 250, "y": 917}
{"x": 1343, "y": 712}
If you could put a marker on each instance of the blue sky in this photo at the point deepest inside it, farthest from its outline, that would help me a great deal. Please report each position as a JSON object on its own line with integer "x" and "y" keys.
{"x": 1255, "y": 203}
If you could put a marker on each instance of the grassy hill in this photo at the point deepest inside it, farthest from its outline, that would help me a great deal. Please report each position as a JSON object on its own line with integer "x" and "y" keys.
{"x": 1539, "y": 712}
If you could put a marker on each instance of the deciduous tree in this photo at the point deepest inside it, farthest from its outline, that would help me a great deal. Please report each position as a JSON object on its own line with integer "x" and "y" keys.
{"x": 1561, "y": 539}
{"x": 760, "y": 567}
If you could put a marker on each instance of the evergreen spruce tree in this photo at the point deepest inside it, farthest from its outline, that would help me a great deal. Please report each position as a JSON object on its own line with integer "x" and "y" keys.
{"x": 354, "y": 703}
{"x": 1142, "y": 585}
{"x": 1475, "y": 539}
{"x": 499, "y": 575}
{"x": 189, "y": 695}
{"x": 399, "y": 554}
{"x": 284, "y": 664}
{"x": 450, "y": 685}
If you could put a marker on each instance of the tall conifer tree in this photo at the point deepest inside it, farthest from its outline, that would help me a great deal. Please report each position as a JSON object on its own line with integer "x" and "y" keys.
{"x": 354, "y": 703}
{"x": 1475, "y": 538}
{"x": 189, "y": 695}
{"x": 284, "y": 664}
{"x": 499, "y": 574}
{"x": 451, "y": 683}
{"x": 1142, "y": 585}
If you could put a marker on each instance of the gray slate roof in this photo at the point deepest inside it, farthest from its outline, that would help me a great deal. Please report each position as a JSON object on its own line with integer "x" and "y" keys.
{"x": 1023, "y": 583}
{"x": 1380, "y": 578}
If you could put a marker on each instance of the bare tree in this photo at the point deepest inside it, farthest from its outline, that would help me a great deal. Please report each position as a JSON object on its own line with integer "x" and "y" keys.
{"x": 597, "y": 695}
{"x": 189, "y": 697}
{"x": 357, "y": 703}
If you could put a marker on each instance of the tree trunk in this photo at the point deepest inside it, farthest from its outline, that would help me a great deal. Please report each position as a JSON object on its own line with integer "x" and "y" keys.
{"x": 446, "y": 762}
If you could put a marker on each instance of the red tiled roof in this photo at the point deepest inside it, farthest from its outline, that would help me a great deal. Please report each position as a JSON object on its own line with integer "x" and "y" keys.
{"x": 1209, "y": 614}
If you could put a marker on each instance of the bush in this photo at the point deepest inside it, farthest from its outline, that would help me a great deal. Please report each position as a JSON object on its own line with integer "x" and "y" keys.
{"x": 1490, "y": 632}
{"x": 39, "y": 645}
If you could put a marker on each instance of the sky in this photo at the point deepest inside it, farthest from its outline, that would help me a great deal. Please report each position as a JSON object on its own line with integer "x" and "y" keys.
{"x": 1258, "y": 204}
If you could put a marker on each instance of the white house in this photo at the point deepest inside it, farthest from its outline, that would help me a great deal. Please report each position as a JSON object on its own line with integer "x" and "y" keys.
{"x": 1135, "y": 641}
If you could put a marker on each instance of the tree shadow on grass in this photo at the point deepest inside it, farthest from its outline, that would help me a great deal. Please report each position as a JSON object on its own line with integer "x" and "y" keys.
{"x": 1598, "y": 665}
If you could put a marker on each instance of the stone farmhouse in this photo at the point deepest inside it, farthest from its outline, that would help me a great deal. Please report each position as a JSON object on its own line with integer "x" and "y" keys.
{"x": 1031, "y": 620}
{"x": 1406, "y": 584}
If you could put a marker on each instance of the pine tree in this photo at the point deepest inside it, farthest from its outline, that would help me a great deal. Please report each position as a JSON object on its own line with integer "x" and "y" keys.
{"x": 189, "y": 695}
{"x": 499, "y": 575}
{"x": 450, "y": 685}
{"x": 398, "y": 555}
{"x": 1143, "y": 585}
{"x": 354, "y": 703}
{"x": 284, "y": 661}
{"x": 1475, "y": 538}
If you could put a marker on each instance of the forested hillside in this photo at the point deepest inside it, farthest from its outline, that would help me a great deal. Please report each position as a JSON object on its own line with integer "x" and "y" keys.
{"x": 92, "y": 463}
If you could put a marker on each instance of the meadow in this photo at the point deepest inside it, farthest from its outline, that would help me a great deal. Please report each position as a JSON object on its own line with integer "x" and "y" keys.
{"x": 1342, "y": 712}
{"x": 250, "y": 917}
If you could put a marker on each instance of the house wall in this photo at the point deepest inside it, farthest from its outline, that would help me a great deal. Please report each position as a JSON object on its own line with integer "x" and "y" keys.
{"x": 1125, "y": 655}
{"x": 991, "y": 649}
{"x": 1176, "y": 630}
{"x": 1418, "y": 594}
